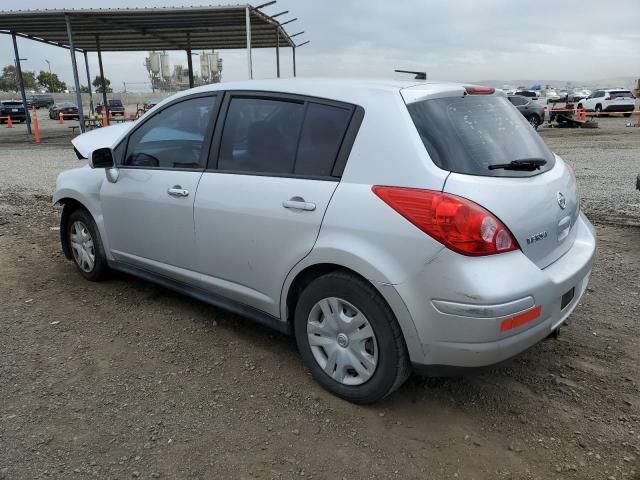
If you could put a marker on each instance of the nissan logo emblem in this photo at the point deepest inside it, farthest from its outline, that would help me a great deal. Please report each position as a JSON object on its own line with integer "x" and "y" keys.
{"x": 562, "y": 201}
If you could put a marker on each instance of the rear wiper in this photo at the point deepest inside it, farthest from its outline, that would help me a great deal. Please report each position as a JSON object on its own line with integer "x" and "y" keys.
{"x": 525, "y": 164}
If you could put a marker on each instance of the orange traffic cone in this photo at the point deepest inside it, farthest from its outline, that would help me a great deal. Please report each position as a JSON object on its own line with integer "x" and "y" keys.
{"x": 61, "y": 118}
{"x": 36, "y": 128}
{"x": 9, "y": 122}
{"x": 582, "y": 115}
{"x": 104, "y": 121}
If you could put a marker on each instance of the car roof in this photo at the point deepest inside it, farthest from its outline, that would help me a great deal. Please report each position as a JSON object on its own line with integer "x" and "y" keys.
{"x": 342, "y": 89}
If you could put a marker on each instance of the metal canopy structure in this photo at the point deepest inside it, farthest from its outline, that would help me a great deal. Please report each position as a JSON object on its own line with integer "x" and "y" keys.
{"x": 142, "y": 29}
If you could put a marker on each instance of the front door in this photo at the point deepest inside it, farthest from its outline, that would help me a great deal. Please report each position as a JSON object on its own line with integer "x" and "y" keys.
{"x": 148, "y": 210}
{"x": 260, "y": 211}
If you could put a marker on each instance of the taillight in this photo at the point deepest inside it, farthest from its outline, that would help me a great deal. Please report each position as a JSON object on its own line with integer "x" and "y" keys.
{"x": 457, "y": 223}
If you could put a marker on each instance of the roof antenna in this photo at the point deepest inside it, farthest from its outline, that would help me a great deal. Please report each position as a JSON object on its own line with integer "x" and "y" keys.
{"x": 418, "y": 75}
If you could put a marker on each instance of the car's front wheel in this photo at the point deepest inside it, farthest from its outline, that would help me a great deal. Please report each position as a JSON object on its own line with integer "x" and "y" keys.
{"x": 349, "y": 338}
{"x": 86, "y": 246}
{"x": 627, "y": 115}
{"x": 534, "y": 120}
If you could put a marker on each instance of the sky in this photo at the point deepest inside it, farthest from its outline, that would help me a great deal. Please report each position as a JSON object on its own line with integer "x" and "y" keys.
{"x": 458, "y": 40}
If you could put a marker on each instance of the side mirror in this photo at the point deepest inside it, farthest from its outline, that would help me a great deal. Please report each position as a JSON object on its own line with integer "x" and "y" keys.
{"x": 102, "y": 158}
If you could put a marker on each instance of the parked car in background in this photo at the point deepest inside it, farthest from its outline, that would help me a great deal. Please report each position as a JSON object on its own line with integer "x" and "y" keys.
{"x": 552, "y": 96}
{"x": 389, "y": 226}
{"x": 532, "y": 111}
{"x": 68, "y": 109}
{"x": 149, "y": 104}
{"x": 531, "y": 94}
{"x": 40, "y": 100}
{"x": 577, "y": 95}
{"x": 610, "y": 100}
{"x": 115, "y": 107}
{"x": 13, "y": 109}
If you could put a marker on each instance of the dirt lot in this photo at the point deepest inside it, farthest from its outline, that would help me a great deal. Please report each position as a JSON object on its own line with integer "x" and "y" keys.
{"x": 124, "y": 379}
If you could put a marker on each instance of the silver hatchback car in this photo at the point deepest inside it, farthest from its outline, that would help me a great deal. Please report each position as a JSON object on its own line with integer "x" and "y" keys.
{"x": 390, "y": 226}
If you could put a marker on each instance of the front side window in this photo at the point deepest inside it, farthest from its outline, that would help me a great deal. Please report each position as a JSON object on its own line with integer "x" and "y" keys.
{"x": 173, "y": 137}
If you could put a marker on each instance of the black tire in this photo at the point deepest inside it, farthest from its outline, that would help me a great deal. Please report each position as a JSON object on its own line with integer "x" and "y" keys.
{"x": 579, "y": 105}
{"x": 100, "y": 267}
{"x": 393, "y": 366}
{"x": 627, "y": 115}
{"x": 534, "y": 121}
{"x": 598, "y": 108}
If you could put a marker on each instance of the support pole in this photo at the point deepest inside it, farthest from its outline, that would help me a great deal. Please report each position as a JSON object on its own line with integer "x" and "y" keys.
{"x": 86, "y": 64}
{"x": 189, "y": 61}
{"x": 76, "y": 80}
{"x": 104, "y": 84}
{"x": 293, "y": 50}
{"x": 248, "y": 28}
{"x": 20, "y": 82}
{"x": 278, "y": 52}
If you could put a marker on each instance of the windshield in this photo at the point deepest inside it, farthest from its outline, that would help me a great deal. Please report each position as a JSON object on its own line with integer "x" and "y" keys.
{"x": 468, "y": 134}
{"x": 115, "y": 103}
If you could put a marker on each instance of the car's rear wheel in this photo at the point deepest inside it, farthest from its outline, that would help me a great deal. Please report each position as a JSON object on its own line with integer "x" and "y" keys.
{"x": 598, "y": 108}
{"x": 534, "y": 120}
{"x": 349, "y": 338}
{"x": 86, "y": 246}
{"x": 627, "y": 115}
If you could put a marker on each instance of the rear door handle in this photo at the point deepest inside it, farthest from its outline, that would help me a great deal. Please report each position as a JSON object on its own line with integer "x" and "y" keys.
{"x": 296, "y": 203}
{"x": 177, "y": 191}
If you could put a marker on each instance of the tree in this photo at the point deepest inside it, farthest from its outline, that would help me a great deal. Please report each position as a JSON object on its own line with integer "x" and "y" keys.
{"x": 9, "y": 79}
{"x": 84, "y": 89}
{"x": 97, "y": 82}
{"x": 51, "y": 82}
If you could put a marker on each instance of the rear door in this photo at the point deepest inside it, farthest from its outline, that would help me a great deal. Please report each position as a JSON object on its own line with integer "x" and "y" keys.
{"x": 471, "y": 136}
{"x": 148, "y": 210}
{"x": 259, "y": 206}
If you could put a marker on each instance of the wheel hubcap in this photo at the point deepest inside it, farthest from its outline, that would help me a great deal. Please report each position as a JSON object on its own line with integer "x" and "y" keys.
{"x": 342, "y": 341}
{"x": 82, "y": 246}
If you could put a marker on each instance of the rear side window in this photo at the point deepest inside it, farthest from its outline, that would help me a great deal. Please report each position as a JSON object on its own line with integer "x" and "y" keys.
{"x": 282, "y": 137}
{"x": 470, "y": 133}
{"x": 322, "y": 133}
{"x": 260, "y": 135}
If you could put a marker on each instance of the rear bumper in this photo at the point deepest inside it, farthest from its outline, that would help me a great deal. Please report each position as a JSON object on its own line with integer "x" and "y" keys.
{"x": 619, "y": 108}
{"x": 459, "y": 321}
{"x": 14, "y": 116}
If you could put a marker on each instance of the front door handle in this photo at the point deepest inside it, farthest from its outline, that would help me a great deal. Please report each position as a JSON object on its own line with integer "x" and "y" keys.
{"x": 297, "y": 203}
{"x": 177, "y": 191}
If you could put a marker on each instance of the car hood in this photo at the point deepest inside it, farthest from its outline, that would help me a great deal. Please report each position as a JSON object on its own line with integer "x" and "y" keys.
{"x": 103, "y": 137}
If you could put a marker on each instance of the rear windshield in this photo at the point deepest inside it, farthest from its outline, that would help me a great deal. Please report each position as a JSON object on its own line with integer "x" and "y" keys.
{"x": 467, "y": 134}
{"x": 621, "y": 94}
{"x": 115, "y": 103}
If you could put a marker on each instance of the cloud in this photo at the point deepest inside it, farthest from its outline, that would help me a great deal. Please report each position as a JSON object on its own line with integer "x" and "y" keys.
{"x": 457, "y": 39}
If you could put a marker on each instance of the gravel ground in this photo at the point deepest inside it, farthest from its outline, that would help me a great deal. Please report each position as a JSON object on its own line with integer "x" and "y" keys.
{"x": 124, "y": 379}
